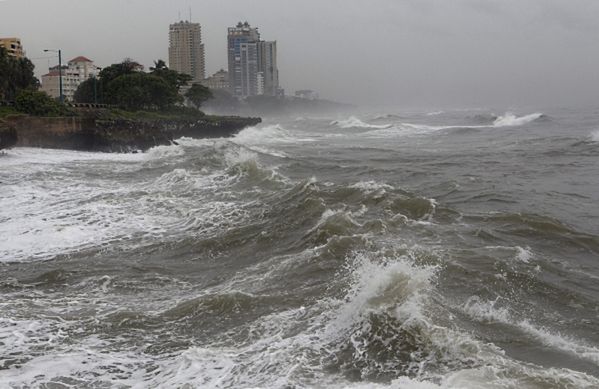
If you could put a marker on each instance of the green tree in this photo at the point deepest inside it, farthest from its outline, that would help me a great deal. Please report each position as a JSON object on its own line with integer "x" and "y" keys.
{"x": 198, "y": 94}
{"x": 16, "y": 74}
{"x": 223, "y": 101}
{"x": 174, "y": 78}
{"x": 38, "y": 103}
{"x": 89, "y": 91}
{"x": 140, "y": 91}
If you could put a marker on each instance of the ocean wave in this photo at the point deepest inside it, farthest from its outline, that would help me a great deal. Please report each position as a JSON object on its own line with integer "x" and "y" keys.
{"x": 354, "y": 122}
{"x": 488, "y": 311}
{"x": 511, "y": 120}
{"x": 594, "y": 136}
{"x": 270, "y": 134}
{"x": 370, "y": 187}
{"x": 507, "y": 120}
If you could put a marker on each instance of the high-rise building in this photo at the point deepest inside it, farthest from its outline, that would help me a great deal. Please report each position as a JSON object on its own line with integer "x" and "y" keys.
{"x": 267, "y": 65}
{"x": 243, "y": 59}
{"x": 252, "y": 62}
{"x": 13, "y": 47}
{"x": 186, "y": 50}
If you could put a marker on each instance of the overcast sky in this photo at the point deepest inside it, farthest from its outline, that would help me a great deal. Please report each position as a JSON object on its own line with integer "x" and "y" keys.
{"x": 437, "y": 53}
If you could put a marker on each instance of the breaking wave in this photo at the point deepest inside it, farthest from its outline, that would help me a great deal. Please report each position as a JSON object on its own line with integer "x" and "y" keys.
{"x": 354, "y": 122}
{"x": 511, "y": 120}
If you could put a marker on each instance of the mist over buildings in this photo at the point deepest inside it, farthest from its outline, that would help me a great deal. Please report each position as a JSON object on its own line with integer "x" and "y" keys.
{"x": 433, "y": 53}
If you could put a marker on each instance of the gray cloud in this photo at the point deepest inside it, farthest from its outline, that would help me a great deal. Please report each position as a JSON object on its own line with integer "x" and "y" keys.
{"x": 410, "y": 53}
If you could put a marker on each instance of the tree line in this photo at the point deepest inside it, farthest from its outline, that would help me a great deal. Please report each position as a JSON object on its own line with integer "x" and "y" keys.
{"x": 125, "y": 85}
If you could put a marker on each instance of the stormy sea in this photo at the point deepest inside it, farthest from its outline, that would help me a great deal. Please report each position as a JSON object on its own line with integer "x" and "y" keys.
{"x": 455, "y": 249}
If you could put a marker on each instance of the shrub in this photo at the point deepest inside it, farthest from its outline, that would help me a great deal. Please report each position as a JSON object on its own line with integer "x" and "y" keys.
{"x": 39, "y": 104}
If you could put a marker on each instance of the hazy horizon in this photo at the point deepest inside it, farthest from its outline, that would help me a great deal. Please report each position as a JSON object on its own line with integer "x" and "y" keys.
{"x": 407, "y": 53}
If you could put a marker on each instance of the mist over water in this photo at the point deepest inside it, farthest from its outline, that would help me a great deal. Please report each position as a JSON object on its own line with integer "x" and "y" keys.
{"x": 436, "y": 249}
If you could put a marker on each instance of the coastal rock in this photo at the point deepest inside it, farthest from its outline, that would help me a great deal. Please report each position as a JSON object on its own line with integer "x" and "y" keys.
{"x": 119, "y": 135}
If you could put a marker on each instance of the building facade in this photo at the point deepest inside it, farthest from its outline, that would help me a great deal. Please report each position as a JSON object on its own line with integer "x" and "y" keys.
{"x": 267, "y": 65}
{"x": 78, "y": 70}
{"x": 186, "y": 50}
{"x": 252, "y": 62}
{"x": 13, "y": 47}
{"x": 219, "y": 80}
{"x": 243, "y": 59}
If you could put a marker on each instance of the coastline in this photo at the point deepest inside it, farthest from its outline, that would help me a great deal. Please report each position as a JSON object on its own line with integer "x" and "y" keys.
{"x": 99, "y": 131}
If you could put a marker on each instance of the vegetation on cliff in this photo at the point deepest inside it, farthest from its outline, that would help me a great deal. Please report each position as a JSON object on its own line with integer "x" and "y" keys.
{"x": 38, "y": 103}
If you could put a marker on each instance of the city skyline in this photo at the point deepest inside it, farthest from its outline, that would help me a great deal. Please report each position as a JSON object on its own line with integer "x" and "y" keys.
{"x": 417, "y": 53}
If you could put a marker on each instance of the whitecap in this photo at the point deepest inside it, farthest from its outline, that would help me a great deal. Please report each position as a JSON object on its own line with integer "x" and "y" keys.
{"x": 354, "y": 122}
{"x": 511, "y": 120}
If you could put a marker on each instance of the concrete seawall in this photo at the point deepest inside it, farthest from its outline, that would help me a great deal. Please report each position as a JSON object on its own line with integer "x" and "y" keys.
{"x": 8, "y": 135}
{"x": 116, "y": 135}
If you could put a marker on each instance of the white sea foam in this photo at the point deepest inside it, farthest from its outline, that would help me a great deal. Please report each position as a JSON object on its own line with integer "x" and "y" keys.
{"x": 371, "y": 187}
{"x": 523, "y": 254}
{"x": 271, "y": 134}
{"x": 488, "y": 311}
{"x": 285, "y": 348}
{"x": 510, "y": 120}
{"x": 354, "y": 122}
{"x": 417, "y": 129}
{"x": 63, "y": 213}
{"x": 594, "y": 136}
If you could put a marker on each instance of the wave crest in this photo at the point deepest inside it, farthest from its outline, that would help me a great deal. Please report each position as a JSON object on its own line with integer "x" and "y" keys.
{"x": 354, "y": 122}
{"x": 511, "y": 120}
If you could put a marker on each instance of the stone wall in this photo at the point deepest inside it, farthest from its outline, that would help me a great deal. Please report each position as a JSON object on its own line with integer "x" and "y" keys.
{"x": 118, "y": 135}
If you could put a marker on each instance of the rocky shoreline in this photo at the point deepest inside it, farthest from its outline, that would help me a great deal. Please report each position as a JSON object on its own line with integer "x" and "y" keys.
{"x": 93, "y": 133}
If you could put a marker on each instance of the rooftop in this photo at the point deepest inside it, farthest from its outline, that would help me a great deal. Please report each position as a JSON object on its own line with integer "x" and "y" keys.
{"x": 81, "y": 59}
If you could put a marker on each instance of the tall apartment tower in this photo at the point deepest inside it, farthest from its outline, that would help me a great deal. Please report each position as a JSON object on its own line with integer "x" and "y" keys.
{"x": 186, "y": 50}
{"x": 267, "y": 66}
{"x": 242, "y": 46}
{"x": 252, "y": 62}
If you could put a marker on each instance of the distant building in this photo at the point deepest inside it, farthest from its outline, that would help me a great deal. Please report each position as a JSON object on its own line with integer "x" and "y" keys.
{"x": 78, "y": 70}
{"x": 219, "y": 80}
{"x": 243, "y": 59}
{"x": 13, "y": 47}
{"x": 306, "y": 94}
{"x": 186, "y": 50}
{"x": 252, "y": 62}
{"x": 267, "y": 65}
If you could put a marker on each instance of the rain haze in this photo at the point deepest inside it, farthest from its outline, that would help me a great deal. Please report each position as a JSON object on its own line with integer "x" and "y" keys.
{"x": 385, "y": 52}
{"x": 394, "y": 195}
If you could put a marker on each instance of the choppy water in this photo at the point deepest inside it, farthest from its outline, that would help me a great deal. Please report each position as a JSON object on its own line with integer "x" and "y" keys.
{"x": 406, "y": 250}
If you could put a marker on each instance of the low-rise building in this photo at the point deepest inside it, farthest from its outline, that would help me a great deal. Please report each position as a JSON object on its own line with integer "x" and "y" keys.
{"x": 78, "y": 70}
{"x": 219, "y": 80}
{"x": 13, "y": 47}
{"x": 306, "y": 94}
